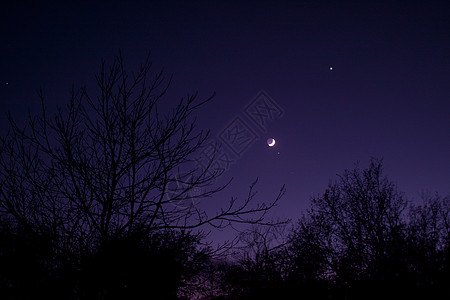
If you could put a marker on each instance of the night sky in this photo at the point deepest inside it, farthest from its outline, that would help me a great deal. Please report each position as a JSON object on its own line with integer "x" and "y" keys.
{"x": 386, "y": 96}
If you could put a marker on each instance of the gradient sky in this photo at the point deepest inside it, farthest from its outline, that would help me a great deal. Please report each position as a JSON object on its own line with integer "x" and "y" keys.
{"x": 388, "y": 95}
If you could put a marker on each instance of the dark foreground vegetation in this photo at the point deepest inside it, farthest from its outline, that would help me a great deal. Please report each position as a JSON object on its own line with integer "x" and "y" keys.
{"x": 360, "y": 239}
{"x": 96, "y": 202}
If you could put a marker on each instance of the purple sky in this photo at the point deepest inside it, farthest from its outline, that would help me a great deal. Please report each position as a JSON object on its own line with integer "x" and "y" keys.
{"x": 387, "y": 96}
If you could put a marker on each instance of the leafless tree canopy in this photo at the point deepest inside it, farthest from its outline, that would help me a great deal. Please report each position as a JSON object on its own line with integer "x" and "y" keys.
{"x": 109, "y": 163}
{"x": 357, "y": 215}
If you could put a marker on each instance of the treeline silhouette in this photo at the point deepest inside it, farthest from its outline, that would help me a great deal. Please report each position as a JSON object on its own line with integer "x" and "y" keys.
{"x": 360, "y": 239}
{"x": 97, "y": 202}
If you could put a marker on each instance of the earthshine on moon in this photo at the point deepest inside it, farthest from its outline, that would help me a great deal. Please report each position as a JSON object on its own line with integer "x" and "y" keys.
{"x": 271, "y": 142}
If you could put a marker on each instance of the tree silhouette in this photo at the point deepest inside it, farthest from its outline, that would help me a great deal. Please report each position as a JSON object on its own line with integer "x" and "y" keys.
{"x": 359, "y": 238}
{"x": 112, "y": 165}
{"x": 357, "y": 241}
{"x": 360, "y": 212}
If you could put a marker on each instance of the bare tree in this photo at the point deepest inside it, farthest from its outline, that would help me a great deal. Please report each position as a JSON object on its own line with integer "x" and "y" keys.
{"x": 353, "y": 223}
{"x": 106, "y": 165}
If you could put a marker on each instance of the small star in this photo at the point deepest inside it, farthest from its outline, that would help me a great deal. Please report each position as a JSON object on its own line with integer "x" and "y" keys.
{"x": 6, "y": 83}
{"x": 331, "y": 68}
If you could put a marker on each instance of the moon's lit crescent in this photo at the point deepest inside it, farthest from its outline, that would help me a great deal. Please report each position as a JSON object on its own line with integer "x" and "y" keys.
{"x": 271, "y": 142}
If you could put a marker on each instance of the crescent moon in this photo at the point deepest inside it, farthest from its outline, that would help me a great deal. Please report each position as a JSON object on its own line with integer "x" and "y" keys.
{"x": 271, "y": 142}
